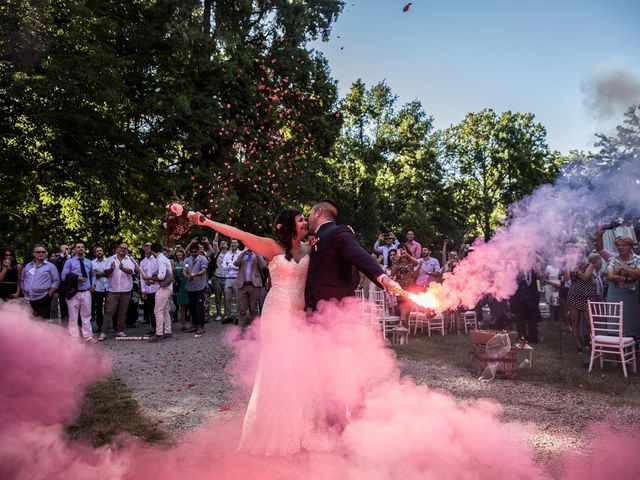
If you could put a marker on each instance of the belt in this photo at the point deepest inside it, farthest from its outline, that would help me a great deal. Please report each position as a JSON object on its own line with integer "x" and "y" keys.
{"x": 83, "y": 290}
{"x": 248, "y": 283}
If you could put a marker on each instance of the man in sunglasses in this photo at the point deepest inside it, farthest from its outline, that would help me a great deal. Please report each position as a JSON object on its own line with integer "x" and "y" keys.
{"x": 40, "y": 279}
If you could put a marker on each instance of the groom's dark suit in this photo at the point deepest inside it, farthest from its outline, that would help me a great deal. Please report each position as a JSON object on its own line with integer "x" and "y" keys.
{"x": 331, "y": 273}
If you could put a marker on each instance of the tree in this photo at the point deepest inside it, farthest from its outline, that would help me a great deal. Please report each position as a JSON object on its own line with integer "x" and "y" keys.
{"x": 388, "y": 174}
{"x": 493, "y": 161}
{"x": 110, "y": 109}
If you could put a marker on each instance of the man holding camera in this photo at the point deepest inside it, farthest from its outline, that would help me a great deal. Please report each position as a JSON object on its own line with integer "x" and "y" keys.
{"x": 385, "y": 243}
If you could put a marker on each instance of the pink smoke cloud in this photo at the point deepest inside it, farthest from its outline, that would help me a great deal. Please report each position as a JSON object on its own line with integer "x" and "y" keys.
{"x": 397, "y": 429}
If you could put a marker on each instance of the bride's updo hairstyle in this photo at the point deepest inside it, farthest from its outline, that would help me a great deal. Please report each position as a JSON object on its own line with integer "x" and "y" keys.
{"x": 285, "y": 229}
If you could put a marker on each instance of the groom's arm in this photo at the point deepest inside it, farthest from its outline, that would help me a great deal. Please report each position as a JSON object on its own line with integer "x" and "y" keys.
{"x": 349, "y": 249}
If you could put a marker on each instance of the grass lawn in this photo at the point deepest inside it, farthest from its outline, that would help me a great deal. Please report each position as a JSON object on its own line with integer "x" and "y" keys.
{"x": 109, "y": 409}
{"x": 555, "y": 363}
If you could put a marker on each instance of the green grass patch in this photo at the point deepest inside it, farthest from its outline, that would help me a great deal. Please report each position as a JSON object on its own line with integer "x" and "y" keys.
{"x": 109, "y": 409}
{"x": 555, "y": 363}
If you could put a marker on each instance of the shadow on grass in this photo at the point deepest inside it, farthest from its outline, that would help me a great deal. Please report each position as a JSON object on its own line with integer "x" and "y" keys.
{"x": 109, "y": 409}
{"x": 555, "y": 364}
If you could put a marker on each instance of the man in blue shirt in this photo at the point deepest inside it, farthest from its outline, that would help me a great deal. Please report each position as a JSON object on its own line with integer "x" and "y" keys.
{"x": 195, "y": 270}
{"x": 40, "y": 280}
{"x": 84, "y": 281}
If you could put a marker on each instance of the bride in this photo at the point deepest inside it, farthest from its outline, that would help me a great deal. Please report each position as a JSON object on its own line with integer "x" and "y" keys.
{"x": 281, "y": 418}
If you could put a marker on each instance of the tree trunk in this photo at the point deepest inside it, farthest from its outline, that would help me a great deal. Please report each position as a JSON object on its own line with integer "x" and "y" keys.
{"x": 207, "y": 16}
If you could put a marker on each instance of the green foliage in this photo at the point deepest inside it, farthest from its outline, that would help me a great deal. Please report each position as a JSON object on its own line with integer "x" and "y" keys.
{"x": 389, "y": 175}
{"x": 494, "y": 160}
{"x": 110, "y": 110}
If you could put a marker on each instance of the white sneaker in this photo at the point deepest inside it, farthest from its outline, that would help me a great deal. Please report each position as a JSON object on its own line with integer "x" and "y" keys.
{"x": 121, "y": 334}
{"x": 218, "y": 318}
{"x": 90, "y": 340}
{"x": 102, "y": 337}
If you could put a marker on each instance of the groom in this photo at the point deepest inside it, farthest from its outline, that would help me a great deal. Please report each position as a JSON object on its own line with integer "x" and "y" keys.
{"x": 333, "y": 257}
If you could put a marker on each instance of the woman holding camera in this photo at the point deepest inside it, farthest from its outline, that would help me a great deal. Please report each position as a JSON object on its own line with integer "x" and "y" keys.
{"x": 623, "y": 273}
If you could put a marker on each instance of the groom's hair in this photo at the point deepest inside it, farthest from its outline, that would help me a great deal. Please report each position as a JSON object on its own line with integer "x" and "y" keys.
{"x": 329, "y": 207}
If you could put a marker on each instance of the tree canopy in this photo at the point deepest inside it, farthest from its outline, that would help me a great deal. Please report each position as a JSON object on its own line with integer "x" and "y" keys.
{"x": 110, "y": 110}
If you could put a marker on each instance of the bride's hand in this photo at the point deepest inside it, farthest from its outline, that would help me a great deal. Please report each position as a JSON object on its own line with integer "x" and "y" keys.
{"x": 197, "y": 218}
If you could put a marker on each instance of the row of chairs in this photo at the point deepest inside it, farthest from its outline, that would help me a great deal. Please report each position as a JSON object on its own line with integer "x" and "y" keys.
{"x": 376, "y": 313}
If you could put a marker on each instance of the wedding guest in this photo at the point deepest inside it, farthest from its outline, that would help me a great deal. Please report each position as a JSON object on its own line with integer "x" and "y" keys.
{"x": 64, "y": 253}
{"x": 413, "y": 247}
{"x": 385, "y": 243}
{"x": 553, "y": 282}
{"x": 230, "y": 275}
{"x": 524, "y": 305}
{"x": 195, "y": 270}
{"x": 148, "y": 267}
{"x": 405, "y": 274}
{"x": 248, "y": 284}
{"x": 180, "y": 283}
{"x": 99, "y": 294}
{"x": 581, "y": 289}
{"x": 80, "y": 280}
{"x": 10, "y": 274}
{"x": 163, "y": 277}
{"x": 451, "y": 263}
{"x": 119, "y": 290}
{"x": 40, "y": 279}
{"x": 218, "y": 277}
{"x": 623, "y": 272}
{"x": 428, "y": 269}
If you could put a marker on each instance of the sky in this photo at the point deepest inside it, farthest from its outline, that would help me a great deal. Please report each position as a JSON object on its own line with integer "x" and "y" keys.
{"x": 575, "y": 64}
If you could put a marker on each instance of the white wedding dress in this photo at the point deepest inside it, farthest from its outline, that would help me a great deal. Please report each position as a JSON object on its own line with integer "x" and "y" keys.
{"x": 312, "y": 372}
{"x": 279, "y": 418}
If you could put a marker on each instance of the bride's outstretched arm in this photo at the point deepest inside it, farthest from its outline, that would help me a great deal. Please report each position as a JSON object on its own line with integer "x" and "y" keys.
{"x": 265, "y": 246}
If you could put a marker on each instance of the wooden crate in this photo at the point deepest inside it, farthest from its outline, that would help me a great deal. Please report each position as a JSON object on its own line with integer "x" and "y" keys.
{"x": 507, "y": 365}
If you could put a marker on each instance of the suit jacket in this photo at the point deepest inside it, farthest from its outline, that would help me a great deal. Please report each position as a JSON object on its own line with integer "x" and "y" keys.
{"x": 257, "y": 263}
{"x": 331, "y": 267}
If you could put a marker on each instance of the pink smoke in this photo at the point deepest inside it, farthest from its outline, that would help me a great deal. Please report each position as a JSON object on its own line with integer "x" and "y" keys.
{"x": 397, "y": 429}
{"x": 586, "y": 194}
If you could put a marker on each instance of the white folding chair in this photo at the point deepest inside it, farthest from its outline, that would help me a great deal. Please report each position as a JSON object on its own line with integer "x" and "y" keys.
{"x": 387, "y": 322}
{"x": 606, "y": 335}
{"x": 486, "y": 316}
{"x": 470, "y": 320}
{"x": 545, "y": 312}
{"x": 436, "y": 323}
{"x": 417, "y": 318}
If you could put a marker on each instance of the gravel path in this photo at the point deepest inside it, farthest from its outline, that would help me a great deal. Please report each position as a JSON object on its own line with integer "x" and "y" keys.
{"x": 181, "y": 382}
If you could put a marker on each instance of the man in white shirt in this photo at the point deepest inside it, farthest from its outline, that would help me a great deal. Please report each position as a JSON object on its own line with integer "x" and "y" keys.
{"x": 230, "y": 274}
{"x": 163, "y": 278}
{"x": 148, "y": 266}
{"x": 120, "y": 272}
{"x": 385, "y": 243}
{"x": 99, "y": 294}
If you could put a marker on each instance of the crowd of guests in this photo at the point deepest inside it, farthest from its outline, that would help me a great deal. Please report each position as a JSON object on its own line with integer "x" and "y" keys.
{"x": 102, "y": 294}
{"x": 565, "y": 283}
{"x": 177, "y": 284}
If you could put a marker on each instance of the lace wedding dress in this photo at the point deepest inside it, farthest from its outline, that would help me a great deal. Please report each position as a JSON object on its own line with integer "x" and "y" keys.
{"x": 279, "y": 418}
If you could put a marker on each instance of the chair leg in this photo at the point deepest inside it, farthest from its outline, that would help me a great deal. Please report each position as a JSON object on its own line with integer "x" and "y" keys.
{"x": 624, "y": 362}
{"x": 593, "y": 354}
